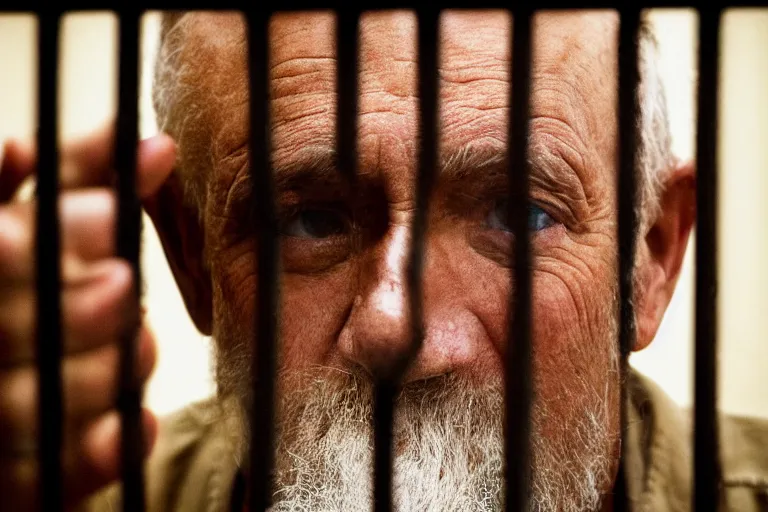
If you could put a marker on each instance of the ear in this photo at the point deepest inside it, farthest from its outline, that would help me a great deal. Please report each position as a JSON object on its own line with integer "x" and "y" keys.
{"x": 661, "y": 251}
{"x": 182, "y": 238}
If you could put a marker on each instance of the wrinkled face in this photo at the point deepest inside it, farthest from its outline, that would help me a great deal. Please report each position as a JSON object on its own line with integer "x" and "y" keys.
{"x": 344, "y": 248}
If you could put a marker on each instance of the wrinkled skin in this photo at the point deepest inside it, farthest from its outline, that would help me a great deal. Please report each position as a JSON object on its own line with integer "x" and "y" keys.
{"x": 344, "y": 248}
{"x": 344, "y": 286}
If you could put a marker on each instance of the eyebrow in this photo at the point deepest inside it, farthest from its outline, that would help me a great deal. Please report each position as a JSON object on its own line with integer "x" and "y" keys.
{"x": 548, "y": 169}
{"x": 310, "y": 167}
{"x": 316, "y": 166}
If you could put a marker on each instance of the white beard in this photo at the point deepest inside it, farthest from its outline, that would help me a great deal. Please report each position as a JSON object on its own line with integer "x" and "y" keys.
{"x": 448, "y": 440}
{"x": 448, "y": 443}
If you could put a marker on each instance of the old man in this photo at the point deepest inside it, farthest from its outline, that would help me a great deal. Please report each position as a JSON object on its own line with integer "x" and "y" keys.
{"x": 344, "y": 295}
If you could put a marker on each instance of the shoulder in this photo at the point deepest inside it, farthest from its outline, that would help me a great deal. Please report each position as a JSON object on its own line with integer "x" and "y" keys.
{"x": 744, "y": 455}
{"x": 666, "y": 453}
{"x": 191, "y": 467}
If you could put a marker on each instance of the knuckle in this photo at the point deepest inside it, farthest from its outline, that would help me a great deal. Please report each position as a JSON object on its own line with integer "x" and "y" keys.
{"x": 17, "y": 402}
{"x": 94, "y": 311}
{"x": 89, "y": 222}
{"x": 114, "y": 313}
{"x": 95, "y": 201}
{"x": 13, "y": 235}
{"x": 91, "y": 379}
{"x": 15, "y": 324}
{"x": 99, "y": 307}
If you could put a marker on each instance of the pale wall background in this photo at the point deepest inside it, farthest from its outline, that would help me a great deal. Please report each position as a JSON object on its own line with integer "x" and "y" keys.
{"x": 183, "y": 371}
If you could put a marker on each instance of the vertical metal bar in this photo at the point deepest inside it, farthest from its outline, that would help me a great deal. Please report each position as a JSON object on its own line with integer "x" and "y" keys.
{"x": 346, "y": 83}
{"x": 627, "y": 217}
{"x": 519, "y": 388}
{"x": 129, "y": 228}
{"x": 386, "y": 385}
{"x": 706, "y": 482}
{"x": 265, "y": 315}
{"x": 49, "y": 334}
{"x": 383, "y": 399}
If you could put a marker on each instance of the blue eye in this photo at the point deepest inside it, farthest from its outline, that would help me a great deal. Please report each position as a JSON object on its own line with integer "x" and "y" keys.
{"x": 538, "y": 219}
{"x": 315, "y": 224}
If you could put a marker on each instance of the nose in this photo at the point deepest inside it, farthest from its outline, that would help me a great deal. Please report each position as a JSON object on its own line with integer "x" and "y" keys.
{"x": 379, "y": 334}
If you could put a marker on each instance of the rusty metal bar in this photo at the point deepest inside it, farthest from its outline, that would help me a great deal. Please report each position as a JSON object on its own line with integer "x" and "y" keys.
{"x": 48, "y": 258}
{"x": 626, "y": 196}
{"x": 129, "y": 228}
{"x": 518, "y": 381}
{"x": 706, "y": 462}
{"x": 266, "y": 236}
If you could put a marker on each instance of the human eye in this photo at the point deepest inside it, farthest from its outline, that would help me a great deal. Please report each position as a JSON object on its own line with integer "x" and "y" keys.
{"x": 315, "y": 223}
{"x": 538, "y": 219}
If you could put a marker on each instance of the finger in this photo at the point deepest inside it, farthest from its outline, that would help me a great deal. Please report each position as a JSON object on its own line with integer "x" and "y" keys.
{"x": 87, "y": 162}
{"x": 90, "y": 163}
{"x": 88, "y": 223}
{"x": 89, "y": 383}
{"x": 18, "y": 164}
{"x": 99, "y": 452}
{"x": 87, "y": 220}
{"x": 91, "y": 461}
{"x": 156, "y": 159}
{"x": 94, "y": 312}
{"x": 15, "y": 248}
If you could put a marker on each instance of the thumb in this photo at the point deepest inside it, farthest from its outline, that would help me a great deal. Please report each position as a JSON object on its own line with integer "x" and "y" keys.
{"x": 156, "y": 158}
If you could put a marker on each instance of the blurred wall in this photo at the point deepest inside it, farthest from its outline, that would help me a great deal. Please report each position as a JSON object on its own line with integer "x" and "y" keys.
{"x": 183, "y": 371}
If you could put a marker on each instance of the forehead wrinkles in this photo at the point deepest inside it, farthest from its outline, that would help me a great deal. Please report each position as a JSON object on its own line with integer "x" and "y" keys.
{"x": 569, "y": 71}
{"x": 388, "y": 99}
{"x": 573, "y": 90}
{"x": 302, "y": 80}
{"x": 303, "y": 75}
{"x": 574, "y": 73}
{"x": 388, "y": 56}
{"x": 474, "y": 76}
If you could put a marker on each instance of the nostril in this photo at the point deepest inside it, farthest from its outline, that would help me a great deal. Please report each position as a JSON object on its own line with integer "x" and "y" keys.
{"x": 378, "y": 334}
{"x": 386, "y": 361}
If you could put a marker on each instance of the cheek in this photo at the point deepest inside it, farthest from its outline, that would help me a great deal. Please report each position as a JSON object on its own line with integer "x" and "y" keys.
{"x": 312, "y": 308}
{"x": 574, "y": 329}
{"x": 573, "y": 319}
{"x": 571, "y": 297}
{"x": 573, "y": 308}
{"x": 313, "y": 311}
{"x": 234, "y": 277}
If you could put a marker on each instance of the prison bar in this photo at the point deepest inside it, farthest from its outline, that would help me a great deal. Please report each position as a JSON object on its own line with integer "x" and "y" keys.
{"x": 706, "y": 479}
{"x": 373, "y": 5}
{"x": 628, "y": 80}
{"x": 387, "y": 380}
{"x": 48, "y": 334}
{"x": 383, "y": 419}
{"x": 347, "y": 22}
{"x": 706, "y": 494}
{"x": 266, "y": 307}
{"x": 129, "y": 227}
{"x": 518, "y": 371}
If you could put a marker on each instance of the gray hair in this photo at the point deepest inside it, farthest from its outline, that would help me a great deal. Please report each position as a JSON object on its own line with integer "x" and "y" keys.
{"x": 654, "y": 152}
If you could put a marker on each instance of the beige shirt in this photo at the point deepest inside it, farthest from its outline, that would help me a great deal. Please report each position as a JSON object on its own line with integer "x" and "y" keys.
{"x": 192, "y": 469}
